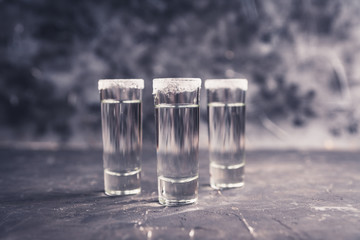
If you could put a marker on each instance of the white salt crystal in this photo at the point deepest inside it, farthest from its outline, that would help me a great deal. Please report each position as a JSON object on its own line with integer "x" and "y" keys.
{"x": 227, "y": 83}
{"x": 176, "y": 85}
{"x": 120, "y": 83}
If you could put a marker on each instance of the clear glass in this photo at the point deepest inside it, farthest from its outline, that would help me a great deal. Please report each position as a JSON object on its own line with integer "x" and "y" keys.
{"x": 121, "y": 120}
{"x": 177, "y": 138}
{"x": 226, "y": 131}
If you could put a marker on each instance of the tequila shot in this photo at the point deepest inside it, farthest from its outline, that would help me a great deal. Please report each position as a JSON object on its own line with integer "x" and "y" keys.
{"x": 226, "y": 131}
{"x": 177, "y": 138}
{"x": 122, "y": 134}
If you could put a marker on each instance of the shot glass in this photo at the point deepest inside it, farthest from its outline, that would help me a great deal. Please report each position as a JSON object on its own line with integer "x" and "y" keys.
{"x": 177, "y": 138}
{"x": 226, "y": 131}
{"x": 122, "y": 134}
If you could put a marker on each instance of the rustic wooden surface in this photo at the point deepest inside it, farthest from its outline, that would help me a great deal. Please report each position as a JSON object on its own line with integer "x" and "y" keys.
{"x": 287, "y": 195}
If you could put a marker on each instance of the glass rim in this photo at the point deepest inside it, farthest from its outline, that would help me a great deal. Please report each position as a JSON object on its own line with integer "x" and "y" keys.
{"x": 136, "y": 83}
{"x": 240, "y": 83}
{"x": 176, "y": 84}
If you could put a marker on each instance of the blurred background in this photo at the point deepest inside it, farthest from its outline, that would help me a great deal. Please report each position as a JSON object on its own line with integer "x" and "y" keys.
{"x": 301, "y": 58}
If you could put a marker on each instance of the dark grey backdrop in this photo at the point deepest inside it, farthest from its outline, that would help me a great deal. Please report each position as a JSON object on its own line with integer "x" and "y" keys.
{"x": 301, "y": 58}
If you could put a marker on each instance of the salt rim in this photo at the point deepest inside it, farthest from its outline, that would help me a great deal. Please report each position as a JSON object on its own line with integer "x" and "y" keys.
{"x": 120, "y": 83}
{"x": 241, "y": 83}
{"x": 176, "y": 84}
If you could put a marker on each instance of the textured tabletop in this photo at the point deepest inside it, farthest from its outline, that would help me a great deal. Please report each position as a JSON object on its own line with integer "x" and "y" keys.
{"x": 287, "y": 195}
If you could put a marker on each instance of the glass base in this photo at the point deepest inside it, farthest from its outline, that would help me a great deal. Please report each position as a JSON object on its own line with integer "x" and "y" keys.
{"x": 122, "y": 193}
{"x": 226, "y": 176}
{"x": 227, "y": 185}
{"x": 122, "y": 183}
{"x": 177, "y": 191}
{"x": 167, "y": 202}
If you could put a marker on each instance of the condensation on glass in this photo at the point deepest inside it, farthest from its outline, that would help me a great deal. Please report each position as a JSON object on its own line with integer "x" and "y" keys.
{"x": 122, "y": 134}
{"x": 177, "y": 139}
{"x": 226, "y": 131}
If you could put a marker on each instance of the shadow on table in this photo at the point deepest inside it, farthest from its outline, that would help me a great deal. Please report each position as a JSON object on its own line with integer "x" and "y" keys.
{"x": 28, "y": 197}
{"x": 79, "y": 196}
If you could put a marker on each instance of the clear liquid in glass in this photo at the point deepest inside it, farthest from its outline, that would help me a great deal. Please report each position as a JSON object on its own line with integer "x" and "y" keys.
{"x": 226, "y": 126}
{"x": 122, "y": 142}
{"x": 177, "y": 128}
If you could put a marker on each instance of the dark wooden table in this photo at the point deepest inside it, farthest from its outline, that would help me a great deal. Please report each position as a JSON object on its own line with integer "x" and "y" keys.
{"x": 287, "y": 195}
